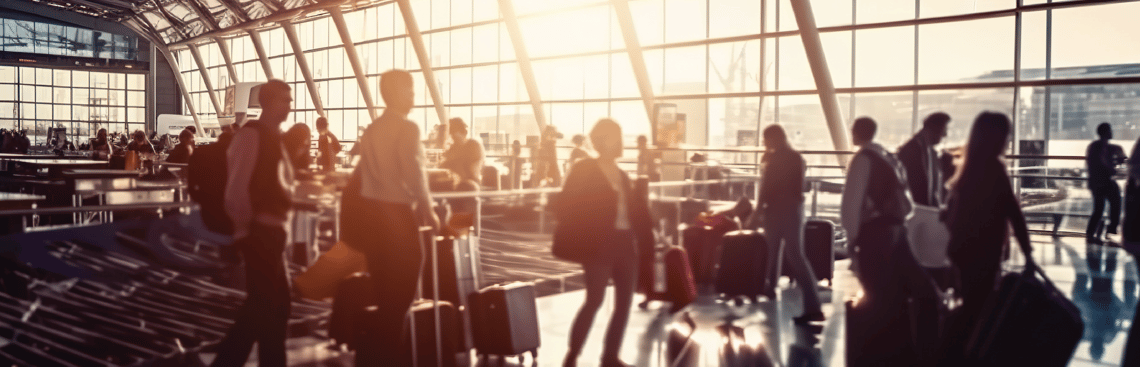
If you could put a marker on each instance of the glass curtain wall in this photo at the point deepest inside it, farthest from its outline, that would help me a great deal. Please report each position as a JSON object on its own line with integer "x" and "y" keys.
{"x": 731, "y": 66}
{"x": 35, "y": 99}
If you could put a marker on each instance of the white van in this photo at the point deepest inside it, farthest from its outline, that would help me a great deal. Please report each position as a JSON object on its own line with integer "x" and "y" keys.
{"x": 173, "y": 125}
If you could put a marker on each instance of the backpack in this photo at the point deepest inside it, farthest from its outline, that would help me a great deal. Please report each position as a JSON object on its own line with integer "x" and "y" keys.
{"x": 206, "y": 183}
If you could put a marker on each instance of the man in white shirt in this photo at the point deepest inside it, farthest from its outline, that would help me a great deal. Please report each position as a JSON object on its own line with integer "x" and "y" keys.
{"x": 394, "y": 186}
{"x": 258, "y": 199}
{"x": 874, "y": 206}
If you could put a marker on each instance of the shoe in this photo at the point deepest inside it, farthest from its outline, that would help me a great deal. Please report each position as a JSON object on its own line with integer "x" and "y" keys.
{"x": 808, "y": 318}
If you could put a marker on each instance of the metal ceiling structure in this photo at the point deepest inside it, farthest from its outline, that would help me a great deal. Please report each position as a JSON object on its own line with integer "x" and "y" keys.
{"x": 173, "y": 22}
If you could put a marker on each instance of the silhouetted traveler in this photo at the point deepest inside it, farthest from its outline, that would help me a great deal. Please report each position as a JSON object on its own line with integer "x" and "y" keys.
{"x": 140, "y": 144}
{"x": 1132, "y": 244}
{"x": 393, "y": 182}
{"x": 101, "y": 147}
{"x": 923, "y": 167}
{"x": 258, "y": 199}
{"x": 981, "y": 208}
{"x": 327, "y": 146}
{"x": 1132, "y": 200}
{"x": 297, "y": 142}
{"x": 465, "y": 156}
{"x": 598, "y": 206}
{"x": 781, "y": 205}
{"x": 185, "y": 148}
{"x": 516, "y": 162}
{"x": 1101, "y": 159}
{"x": 546, "y": 170}
{"x": 465, "y": 161}
{"x": 874, "y": 206}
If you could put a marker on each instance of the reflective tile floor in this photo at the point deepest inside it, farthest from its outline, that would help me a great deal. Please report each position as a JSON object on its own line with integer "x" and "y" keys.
{"x": 1100, "y": 280}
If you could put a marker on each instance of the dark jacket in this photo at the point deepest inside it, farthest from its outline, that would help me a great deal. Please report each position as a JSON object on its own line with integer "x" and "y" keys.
{"x": 783, "y": 185}
{"x": 1101, "y": 159}
{"x": 979, "y": 214}
{"x": 267, "y": 195}
{"x": 587, "y": 206}
{"x": 914, "y": 155}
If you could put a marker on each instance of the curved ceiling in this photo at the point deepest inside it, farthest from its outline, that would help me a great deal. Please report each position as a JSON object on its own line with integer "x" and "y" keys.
{"x": 173, "y": 22}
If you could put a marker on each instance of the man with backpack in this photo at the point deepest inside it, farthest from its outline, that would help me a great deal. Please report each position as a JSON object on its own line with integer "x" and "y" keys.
{"x": 258, "y": 200}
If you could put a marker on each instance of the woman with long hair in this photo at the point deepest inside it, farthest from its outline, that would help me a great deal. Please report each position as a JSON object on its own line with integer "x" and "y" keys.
{"x": 599, "y": 208}
{"x": 981, "y": 209}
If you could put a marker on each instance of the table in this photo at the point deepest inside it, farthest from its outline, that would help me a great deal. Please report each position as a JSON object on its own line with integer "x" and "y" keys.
{"x": 14, "y": 201}
{"x": 56, "y": 166}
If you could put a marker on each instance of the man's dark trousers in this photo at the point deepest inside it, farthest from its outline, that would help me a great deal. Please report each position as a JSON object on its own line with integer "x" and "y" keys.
{"x": 264, "y": 316}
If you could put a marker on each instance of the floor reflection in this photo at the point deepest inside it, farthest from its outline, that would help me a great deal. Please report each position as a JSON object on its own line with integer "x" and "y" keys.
{"x": 1101, "y": 280}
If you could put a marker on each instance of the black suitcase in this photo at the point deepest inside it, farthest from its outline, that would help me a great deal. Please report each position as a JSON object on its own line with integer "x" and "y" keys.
{"x": 457, "y": 277}
{"x": 353, "y": 295}
{"x": 419, "y": 337}
{"x": 504, "y": 320}
{"x": 743, "y": 264}
{"x": 1027, "y": 322}
{"x": 819, "y": 245}
{"x": 877, "y": 338}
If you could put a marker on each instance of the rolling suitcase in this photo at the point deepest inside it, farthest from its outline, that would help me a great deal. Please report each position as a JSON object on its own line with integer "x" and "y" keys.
{"x": 419, "y": 337}
{"x": 702, "y": 242}
{"x": 680, "y": 288}
{"x": 819, "y": 245}
{"x": 504, "y": 320}
{"x": 743, "y": 264}
{"x": 457, "y": 277}
{"x": 353, "y": 295}
{"x": 1028, "y": 322}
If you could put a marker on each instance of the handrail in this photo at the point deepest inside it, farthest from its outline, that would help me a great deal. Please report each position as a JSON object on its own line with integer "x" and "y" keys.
{"x": 97, "y": 208}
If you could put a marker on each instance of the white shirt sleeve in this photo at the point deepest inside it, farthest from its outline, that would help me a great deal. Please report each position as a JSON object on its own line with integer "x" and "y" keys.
{"x": 854, "y": 196}
{"x": 241, "y": 157}
{"x": 412, "y": 160}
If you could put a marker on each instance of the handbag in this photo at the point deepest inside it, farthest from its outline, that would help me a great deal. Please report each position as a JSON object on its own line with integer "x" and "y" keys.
{"x": 320, "y": 280}
{"x": 928, "y": 237}
{"x": 569, "y": 244}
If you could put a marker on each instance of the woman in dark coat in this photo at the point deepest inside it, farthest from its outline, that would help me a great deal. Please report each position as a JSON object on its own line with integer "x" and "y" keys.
{"x": 981, "y": 209}
{"x": 599, "y": 213}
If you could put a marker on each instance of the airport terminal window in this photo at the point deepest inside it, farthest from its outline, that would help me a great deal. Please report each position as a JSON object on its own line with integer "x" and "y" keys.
{"x": 583, "y": 71}
{"x": 34, "y": 99}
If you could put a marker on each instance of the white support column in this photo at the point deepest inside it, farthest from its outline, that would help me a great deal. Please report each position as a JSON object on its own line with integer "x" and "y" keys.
{"x": 224, "y": 48}
{"x": 255, "y": 38}
{"x": 422, "y": 55}
{"x": 206, "y": 79}
{"x": 303, "y": 64}
{"x": 354, "y": 59}
{"x": 636, "y": 56}
{"x": 181, "y": 84}
{"x": 813, "y": 47}
{"x": 510, "y": 19}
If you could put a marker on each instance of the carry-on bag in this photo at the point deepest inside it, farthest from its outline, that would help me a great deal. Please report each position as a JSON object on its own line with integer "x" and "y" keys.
{"x": 702, "y": 242}
{"x": 504, "y": 320}
{"x": 680, "y": 288}
{"x": 1027, "y": 322}
{"x": 320, "y": 280}
{"x": 819, "y": 246}
{"x": 743, "y": 265}
{"x": 353, "y": 295}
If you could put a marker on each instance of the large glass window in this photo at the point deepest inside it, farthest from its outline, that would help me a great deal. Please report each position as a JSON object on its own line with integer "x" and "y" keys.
{"x": 35, "y": 99}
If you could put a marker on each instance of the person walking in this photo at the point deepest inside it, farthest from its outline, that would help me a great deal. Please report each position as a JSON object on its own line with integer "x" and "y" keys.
{"x": 981, "y": 209}
{"x": 923, "y": 166}
{"x": 598, "y": 209}
{"x": 394, "y": 202}
{"x": 258, "y": 199}
{"x": 781, "y": 207}
{"x": 1101, "y": 159}
{"x": 327, "y": 146}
